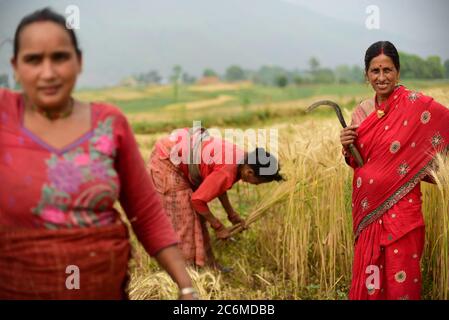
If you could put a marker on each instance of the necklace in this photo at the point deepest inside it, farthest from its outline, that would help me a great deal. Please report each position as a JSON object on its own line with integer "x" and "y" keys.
{"x": 52, "y": 115}
{"x": 380, "y": 113}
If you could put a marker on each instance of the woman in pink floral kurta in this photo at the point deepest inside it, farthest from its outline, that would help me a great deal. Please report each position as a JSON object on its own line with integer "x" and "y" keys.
{"x": 57, "y": 203}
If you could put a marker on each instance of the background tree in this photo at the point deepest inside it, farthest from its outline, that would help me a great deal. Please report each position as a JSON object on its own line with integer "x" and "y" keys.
{"x": 324, "y": 75}
{"x": 314, "y": 65}
{"x": 435, "y": 67}
{"x": 209, "y": 73}
{"x": 187, "y": 78}
{"x": 150, "y": 77}
{"x": 282, "y": 81}
{"x": 348, "y": 74}
{"x": 343, "y": 74}
{"x": 4, "y": 80}
{"x": 234, "y": 73}
{"x": 415, "y": 67}
{"x": 446, "y": 67}
{"x": 175, "y": 79}
{"x": 298, "y": 80}
{"x": 358, "y": 74}
{"x": 269, "y": 75}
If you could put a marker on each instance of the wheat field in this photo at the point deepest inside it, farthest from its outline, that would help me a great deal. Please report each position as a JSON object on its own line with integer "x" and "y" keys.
{"x": 302, "y": 247}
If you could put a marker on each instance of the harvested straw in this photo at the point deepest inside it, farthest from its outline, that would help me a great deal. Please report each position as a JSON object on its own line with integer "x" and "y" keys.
{"x": 272, "y": 198}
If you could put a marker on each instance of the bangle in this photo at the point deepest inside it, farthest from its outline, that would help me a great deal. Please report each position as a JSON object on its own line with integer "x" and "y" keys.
{"x": 188, "y": 290}
{"x": 217, "y": 226}
{"x": 232, "y": 215}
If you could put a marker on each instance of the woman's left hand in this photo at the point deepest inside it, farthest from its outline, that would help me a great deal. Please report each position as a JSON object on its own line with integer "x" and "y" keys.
{"x": 223, "y": 233}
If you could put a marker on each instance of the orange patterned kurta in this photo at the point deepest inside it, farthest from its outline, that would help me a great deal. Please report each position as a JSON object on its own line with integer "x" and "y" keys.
{"x": 181, "y": 200}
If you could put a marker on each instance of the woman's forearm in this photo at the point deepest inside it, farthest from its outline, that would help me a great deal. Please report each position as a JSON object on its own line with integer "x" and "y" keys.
{"x": 171, "y": 260}
{"x": 214, "y": 221}
{"x": 224, "y": 199}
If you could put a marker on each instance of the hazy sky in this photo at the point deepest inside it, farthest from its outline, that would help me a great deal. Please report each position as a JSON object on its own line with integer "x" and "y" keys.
{"x": 120, "y": 38}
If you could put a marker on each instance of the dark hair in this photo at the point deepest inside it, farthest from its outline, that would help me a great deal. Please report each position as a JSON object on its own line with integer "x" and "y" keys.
{"x": 45, "y": 14}
{"x": 258, "y": 160}
{"x": 382, "y": 47}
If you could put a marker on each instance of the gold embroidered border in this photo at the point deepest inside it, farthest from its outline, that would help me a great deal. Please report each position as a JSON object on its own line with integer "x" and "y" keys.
{"x": 395, "y": 197}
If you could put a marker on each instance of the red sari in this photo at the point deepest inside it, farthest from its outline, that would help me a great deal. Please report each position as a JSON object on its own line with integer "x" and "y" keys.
{"x": 398, "y": 150}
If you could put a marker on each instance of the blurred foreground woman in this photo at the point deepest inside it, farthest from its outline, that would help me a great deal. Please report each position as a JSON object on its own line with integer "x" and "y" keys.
{"x": 63, "y": 165}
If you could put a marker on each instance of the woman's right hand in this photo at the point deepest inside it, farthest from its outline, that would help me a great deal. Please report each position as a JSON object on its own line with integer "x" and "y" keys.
{"x": 222, "y": 233}
{"x": 348, "y": 136}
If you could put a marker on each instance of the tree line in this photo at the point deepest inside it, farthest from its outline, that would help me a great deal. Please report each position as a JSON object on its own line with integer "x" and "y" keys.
{"x": 412, "y": 67}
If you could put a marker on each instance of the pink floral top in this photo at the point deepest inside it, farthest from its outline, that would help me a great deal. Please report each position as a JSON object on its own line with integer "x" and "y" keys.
{"x": 78, "y": 185}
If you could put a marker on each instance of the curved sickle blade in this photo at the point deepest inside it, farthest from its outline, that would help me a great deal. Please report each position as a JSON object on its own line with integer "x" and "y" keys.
{"x": 332, "y": 104}
{"x": 352, "y": 148}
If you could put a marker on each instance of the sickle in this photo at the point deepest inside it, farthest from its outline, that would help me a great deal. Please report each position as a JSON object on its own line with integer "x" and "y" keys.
{"x": 352, "y": 148}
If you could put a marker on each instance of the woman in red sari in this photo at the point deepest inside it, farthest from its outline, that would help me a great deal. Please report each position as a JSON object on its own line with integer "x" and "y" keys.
{"x": 186, "y": 185}
{"x": 398, "y": 134}
{"x": 63, "y": 165}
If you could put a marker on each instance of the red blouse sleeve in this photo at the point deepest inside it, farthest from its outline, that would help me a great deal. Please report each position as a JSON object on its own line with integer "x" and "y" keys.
{"x": 215, "y": 184}
{"x": 138, "y": 196}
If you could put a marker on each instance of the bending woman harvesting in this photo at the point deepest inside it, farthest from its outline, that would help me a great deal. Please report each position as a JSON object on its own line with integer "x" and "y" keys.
{"x": 190, "y": 169}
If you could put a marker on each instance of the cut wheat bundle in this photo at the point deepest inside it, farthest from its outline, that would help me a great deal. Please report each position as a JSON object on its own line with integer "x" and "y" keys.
{"x": 271, "y": 199}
